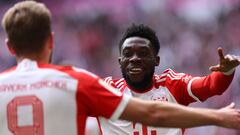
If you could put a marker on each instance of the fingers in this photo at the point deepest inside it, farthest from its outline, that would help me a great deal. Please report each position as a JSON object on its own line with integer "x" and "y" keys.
{"x": 230, "y": 57}
{"x": 237, "y": 58}
{"x": 232, "y": 105}
{"x": 220, "y": 53}
{"x": 226, "y": 63}
{"x": 238, "y": 110}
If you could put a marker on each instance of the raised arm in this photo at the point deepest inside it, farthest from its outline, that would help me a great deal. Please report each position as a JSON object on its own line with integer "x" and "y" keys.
{"x": 164, "y": 114}
{"x": 218, "y": 81}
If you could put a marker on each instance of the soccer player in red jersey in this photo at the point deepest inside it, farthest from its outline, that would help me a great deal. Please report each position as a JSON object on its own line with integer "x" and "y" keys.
{"x": 139, "y": 49}
{"x": 38, "y": 98}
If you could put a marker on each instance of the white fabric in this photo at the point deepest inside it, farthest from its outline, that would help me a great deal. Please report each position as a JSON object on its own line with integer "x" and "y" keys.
{"x": 229, "y": 72}
{"x": 121, "y": 127}
{"x": 61, "y": 102}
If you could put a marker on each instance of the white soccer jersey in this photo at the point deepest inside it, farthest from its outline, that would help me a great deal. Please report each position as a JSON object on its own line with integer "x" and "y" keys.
{"x": 168, "y": 87}
{"x": 43, "y": 99}
{"x": 121, "y": 127}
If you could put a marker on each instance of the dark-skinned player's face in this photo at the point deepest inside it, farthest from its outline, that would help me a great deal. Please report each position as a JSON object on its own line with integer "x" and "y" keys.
{"x": 138, "y": 60}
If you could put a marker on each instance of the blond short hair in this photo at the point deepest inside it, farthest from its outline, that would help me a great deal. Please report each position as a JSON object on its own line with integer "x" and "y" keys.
{"x": 27, "y": 24}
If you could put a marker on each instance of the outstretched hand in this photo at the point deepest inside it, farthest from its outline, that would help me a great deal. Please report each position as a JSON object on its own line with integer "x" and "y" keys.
{"x": 227, "y": 62}
{"x": 230, "y": 117}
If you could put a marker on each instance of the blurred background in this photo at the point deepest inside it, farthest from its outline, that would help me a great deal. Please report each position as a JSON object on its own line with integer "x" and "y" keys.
{"x": 87, "y": 33}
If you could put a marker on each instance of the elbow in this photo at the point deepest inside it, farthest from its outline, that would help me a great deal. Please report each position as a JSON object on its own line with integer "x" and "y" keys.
{"x": 220, "y": 93}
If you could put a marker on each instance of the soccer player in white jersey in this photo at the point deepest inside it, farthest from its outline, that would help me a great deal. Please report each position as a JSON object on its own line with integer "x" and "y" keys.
{"x": 37, "y": 98}
{"x": 139, "y": 49}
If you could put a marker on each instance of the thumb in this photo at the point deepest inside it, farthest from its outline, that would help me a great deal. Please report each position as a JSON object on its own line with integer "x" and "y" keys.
{"x": 232, "y": 105}
{"x": 214, "y": 68}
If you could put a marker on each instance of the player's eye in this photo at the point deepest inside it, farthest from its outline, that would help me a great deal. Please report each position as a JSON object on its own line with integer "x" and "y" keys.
{"x": 143, "y": 53}
{"x": 127, "y": 53}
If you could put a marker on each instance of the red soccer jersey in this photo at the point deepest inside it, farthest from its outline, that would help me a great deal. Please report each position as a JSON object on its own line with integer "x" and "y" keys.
{"x": 171, "y": 87}
{"x": 43, "y": 99}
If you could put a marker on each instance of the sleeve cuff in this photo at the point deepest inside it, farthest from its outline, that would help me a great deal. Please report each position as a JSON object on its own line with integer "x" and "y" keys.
{"x": 122, "y": 105}
{"x": 229, "y": 72}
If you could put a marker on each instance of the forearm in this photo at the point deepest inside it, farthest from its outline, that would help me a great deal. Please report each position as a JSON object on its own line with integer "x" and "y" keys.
{"x": 174, "y": 115}
{"x": 164, "y": 114}
{"x": 214, "y": 84}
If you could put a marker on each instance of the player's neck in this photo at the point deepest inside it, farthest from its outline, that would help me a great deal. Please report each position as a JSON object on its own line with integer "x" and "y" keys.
{"x": 37, "y": 58}
{"x": 141, "y": 87}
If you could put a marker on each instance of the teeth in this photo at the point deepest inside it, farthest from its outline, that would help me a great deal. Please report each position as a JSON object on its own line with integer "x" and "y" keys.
{"x": 136, "y": 69}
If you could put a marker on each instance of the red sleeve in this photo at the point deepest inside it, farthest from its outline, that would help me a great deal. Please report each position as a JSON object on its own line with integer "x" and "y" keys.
{"x": 187, "y": 89}
{"x": 214, "y": 84}
{"x": 97, "y": 97}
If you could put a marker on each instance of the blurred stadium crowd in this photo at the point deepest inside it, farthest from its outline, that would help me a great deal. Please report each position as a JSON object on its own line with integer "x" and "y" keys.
{"x": 87, "y": 34}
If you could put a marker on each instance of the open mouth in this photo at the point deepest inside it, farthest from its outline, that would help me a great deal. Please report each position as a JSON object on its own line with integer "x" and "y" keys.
{"x": 135, "y": 71}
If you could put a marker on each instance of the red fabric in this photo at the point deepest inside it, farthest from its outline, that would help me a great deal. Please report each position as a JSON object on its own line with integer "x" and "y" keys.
{"x": 214, "y": 84}
{"x": 92, "y": 98}
{"x": 203, "y": 88}
{"x": 177, "y": 83}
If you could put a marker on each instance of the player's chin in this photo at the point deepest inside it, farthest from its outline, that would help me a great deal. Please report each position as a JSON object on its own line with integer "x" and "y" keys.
{"x": 136, "y": 78}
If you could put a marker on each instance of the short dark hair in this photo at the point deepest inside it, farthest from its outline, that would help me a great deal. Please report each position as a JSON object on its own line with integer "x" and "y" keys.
{"x": 142, "y": 31}
{"x": 27, "y": 24}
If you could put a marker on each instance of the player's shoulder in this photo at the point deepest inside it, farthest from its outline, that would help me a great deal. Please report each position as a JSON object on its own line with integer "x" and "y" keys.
{"x": 8, "y": 70}
{"x": 70, "y": 70}
{"x": 54, "y": 67}
{"x": 168, "y": 75}
{"x": 83, "y": 72}
{"x": 117, "y": 83}
{"x": 172, "y": 74}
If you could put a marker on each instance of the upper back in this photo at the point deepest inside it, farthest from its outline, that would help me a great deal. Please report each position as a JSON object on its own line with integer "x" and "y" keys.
{"x": 56, "y": 100}
{"x": 38, "y": 98}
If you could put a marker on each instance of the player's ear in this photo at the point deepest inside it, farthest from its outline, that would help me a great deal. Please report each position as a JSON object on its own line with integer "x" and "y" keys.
{"x": 157, "y": 61}
{"x": 9, "y": 46}
{"x": 120, "y": 60}
{"x": 50, "y": 41}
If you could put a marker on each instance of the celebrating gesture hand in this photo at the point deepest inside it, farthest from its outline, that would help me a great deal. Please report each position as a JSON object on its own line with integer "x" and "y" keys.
{"x": 227, "y": 62}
